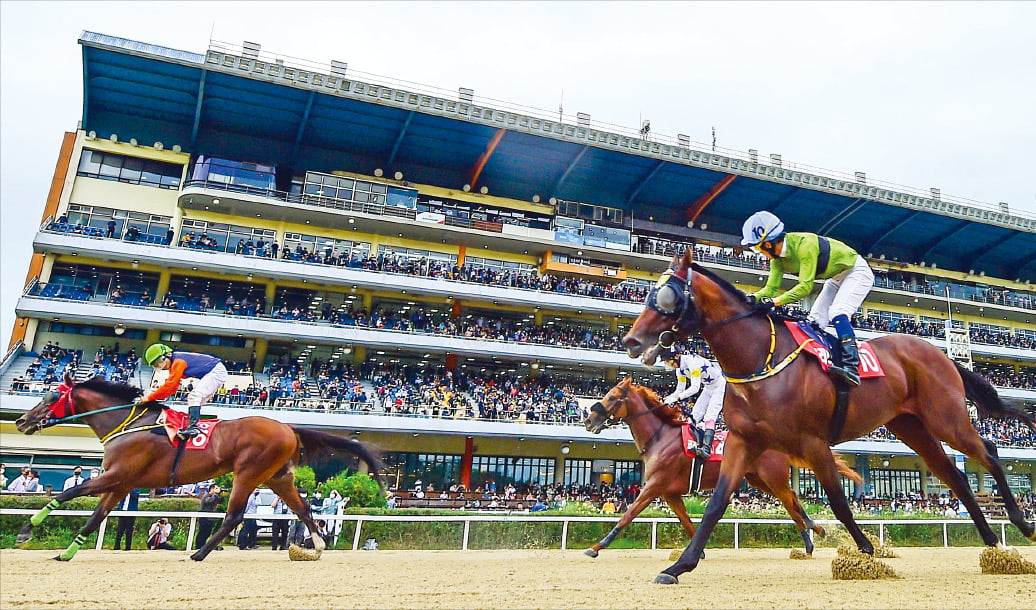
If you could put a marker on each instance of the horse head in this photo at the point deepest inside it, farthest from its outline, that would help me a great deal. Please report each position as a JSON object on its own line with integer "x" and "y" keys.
{"x": 54, "y": 405}
{"x": 609, "y": 409}
{"x": 686, "y": 299}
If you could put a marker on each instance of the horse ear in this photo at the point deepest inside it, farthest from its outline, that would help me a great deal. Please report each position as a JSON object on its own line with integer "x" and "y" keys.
{"x": 68, "y": 379}
{"x": 688, "y": 256}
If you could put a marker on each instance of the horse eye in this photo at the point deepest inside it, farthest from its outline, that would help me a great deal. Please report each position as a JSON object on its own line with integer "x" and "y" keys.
{"x": 666, "y": 298}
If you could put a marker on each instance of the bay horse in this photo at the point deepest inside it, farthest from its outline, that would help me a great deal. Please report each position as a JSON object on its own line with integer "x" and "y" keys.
{"x": 777, "y": 400}
{"x": 257, "y": 450}
{"x": 667, "y": 468}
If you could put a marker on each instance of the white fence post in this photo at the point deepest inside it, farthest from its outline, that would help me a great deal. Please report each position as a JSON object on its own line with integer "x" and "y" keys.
{"x": 356, "y": 534}
{"x": 564, "y": 535}
{"x": 467, "y": 529}
{"x": 100, "y": 534}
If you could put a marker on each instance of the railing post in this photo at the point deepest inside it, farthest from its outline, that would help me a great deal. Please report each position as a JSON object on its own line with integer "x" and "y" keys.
{"x": 564, "y": 534}
{"x": 945, "y": 537}
{"x": 881, "y": 533}
{"x": 654, "y": 535}
{"x": 100, "y": 534}
{"x": 737, "y": 534}
{"x": 356, "y": 534}
{"x": 1003, "y": 533}
{"x": 190, "y": 533}
{"x": 467, "y": 529}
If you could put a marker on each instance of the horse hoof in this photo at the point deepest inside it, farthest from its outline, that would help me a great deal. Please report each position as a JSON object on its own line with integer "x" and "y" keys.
{"x": 60, "y": 558}
{"x": 820, "y": 531}
{"x": 666, "y": 579}
{"x": 591, "y": 553}
{"x": 194, "y": 557}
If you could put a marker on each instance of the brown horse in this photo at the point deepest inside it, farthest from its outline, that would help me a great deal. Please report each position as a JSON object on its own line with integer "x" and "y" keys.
{"x": 256, "y": 449}
{"x": 777, "y": 400}
{"x": 667, "y": 468}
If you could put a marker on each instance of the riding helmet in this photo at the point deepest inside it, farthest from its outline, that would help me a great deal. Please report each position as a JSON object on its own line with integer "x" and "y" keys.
{"x": 761, "y": 226}
{"x": 156, "y": 351}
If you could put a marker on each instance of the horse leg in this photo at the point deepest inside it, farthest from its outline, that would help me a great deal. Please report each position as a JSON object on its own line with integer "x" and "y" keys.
{"x": 643, "y": 500}
{"x": 107, "y": 502}
{"x": 732, "y": 471}
{"x": 243, "y": 486}
{"x": 91, "y": 486}
{"x": 823, "y": 465}
{"x": 913, "y": 433}
{"x": 284, "y": 486}
{"x": 675, "y": 502}
{"x": 767, "y": 480}
{"x": 1014, "y": 512}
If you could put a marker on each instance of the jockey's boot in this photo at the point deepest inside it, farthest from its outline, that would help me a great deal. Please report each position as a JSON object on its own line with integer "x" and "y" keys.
{"x": 849, "y": 372}
{"x": 705, "y": 447}
{"x": 192, "y": 429}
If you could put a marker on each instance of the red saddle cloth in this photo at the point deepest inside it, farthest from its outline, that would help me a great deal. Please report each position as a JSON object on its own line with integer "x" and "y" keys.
{"x": 690, "y": 443}
{"x": 869, "y": 364}
{"x": 174, "y": 421}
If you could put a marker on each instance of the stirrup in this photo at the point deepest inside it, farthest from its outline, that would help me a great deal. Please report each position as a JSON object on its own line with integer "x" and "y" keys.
{"x": 189, "y": 432}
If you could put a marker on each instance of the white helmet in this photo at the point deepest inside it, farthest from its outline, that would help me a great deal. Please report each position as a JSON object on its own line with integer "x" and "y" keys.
{"x": 760, "y": 227}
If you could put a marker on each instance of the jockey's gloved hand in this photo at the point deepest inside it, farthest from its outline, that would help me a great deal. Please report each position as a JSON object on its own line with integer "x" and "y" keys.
{"x": 139, "y": 400}
{"x": 671, "y": 399}
{"x": 766, "y": 302}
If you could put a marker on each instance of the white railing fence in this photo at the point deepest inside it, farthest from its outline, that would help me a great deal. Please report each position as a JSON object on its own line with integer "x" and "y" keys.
{"x": 467, "y": 520}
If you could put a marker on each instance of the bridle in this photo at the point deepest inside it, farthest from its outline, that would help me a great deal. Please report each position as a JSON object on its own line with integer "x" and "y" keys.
{"x": 62, "y": 407}
{"x": 610, "y": 419}
{"x": 684, "y": 308}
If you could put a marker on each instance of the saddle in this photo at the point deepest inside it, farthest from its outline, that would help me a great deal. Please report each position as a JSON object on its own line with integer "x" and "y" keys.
{"x": 691, "y": 439}
{"x": 173, "y": 421}
{"x": 825, "y": 348}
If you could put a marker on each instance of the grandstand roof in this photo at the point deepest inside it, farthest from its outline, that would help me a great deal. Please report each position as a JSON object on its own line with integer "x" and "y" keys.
{"x": 241, "y": 106}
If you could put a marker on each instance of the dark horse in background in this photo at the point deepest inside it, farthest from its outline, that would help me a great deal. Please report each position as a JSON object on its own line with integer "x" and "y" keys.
{"x": 257, "y": 450}
{"x": 779, "y": 401}
{"x": 667, "y": 468}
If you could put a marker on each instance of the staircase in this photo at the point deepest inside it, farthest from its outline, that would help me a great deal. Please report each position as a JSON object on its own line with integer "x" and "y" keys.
{"x": 17, "y": 369}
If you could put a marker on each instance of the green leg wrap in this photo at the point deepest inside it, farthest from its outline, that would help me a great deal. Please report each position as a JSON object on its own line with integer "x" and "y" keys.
{"x": 40, "y": 516}
{"x": 73, "y": 548}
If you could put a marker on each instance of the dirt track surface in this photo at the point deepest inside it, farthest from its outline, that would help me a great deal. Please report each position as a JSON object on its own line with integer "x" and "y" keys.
{"x": 765, "y": 578}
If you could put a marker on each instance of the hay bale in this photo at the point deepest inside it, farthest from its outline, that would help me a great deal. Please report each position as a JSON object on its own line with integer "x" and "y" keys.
{"x": 1002, "y": 560}
{"x": 675, "y": 555}
{"x": 297, "y": 553}
{"x": 860, "y": 566}
{"x": 847, "y": 546}
{"x": 800, "y": 554}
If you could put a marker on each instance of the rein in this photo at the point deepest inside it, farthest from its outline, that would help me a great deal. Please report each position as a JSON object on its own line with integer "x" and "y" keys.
{"x": 51, "y": 421}
{"x": 769, "y": 369}
{"x": 610, "y": 417}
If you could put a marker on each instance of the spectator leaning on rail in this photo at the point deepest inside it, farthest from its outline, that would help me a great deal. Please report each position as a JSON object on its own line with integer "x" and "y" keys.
{"x": 209, "y": 371}
{"x": 849, "y": 280}
{"x": 693, "y": 373}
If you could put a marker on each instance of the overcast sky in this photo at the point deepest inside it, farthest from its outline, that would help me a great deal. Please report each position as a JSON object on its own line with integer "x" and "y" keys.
{"x": 927, "y": 94}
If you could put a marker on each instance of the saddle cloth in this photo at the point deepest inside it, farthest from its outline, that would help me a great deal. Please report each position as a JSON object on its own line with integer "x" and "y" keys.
{"x": 690, "y": 442}
{"x": 822, "y": 346}
{"x": 174, "y": 421}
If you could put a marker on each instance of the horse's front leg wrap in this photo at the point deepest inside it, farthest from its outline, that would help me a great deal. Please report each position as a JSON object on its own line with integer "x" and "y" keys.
{"x": 42, "y": 514}
{"x": 607, "y": 540}
{"x": 73, "y": 548}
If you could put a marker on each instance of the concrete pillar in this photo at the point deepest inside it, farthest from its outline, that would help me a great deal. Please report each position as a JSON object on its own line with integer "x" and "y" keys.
{"x": 164, "y": 277}
{"x": 261, "y": 345}
{"x": 466, "y": 462}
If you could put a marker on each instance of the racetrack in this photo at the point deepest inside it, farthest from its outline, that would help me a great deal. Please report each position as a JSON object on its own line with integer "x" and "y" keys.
{"x": 746, "y": 578}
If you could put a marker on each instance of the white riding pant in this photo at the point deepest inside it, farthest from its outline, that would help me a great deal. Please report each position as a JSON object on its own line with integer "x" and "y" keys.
{"x": 843, "y": 294}
{"x": 206, "y": 387}
{"x": 710, "y": 402}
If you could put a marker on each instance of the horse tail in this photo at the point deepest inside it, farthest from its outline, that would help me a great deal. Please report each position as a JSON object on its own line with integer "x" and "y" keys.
{"x": 324, "y": 447}
{"x": 987, "y": 401}
{"x": 846, "y": 471}
{"x": 840, "y": 463}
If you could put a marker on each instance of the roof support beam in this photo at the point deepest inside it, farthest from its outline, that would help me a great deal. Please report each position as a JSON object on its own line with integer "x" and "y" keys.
{"x": 840, "y": 217}
{"x": 569, "y": 169}
{"x": 703, "y": 202}
{"x": 983, "y": 251}
{"x": 869, "y": 248}
{"x": 197, "y": 108}
{"x": 399, "y": 140}
{"x": 784, "y": 199}
{"x": 302, "y": 126}
{"x": 484, "y": 157}
{"x": 933, "y": 244}
{"x": 645, "y": 181}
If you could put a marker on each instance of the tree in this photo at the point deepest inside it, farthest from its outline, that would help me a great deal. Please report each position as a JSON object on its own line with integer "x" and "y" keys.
{"x": 361, "y": 489}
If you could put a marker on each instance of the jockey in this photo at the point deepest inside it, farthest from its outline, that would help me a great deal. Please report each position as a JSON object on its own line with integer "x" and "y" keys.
{"x": 849, "y": 280}
{"x": 694, "y": 372}
{"x": 209, "y": 371}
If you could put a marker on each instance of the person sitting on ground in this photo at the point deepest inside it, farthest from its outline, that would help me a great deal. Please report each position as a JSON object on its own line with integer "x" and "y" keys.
{"x": 158, "y": 535}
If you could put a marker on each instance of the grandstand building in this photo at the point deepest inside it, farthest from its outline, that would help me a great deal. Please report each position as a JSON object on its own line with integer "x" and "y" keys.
{"x": 442, "y": 277}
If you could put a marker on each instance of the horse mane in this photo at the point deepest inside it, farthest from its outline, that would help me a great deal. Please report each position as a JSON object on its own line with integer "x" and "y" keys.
{"x": 724, "y": 284}
{"x": 669, "y": 415}
{"x": 120, "y": 391}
